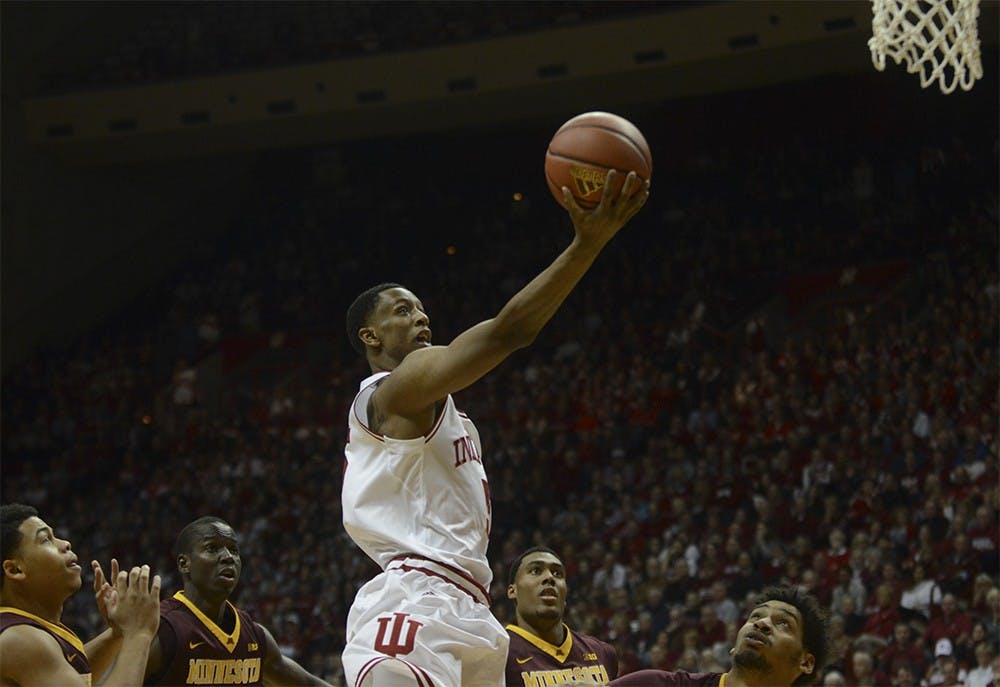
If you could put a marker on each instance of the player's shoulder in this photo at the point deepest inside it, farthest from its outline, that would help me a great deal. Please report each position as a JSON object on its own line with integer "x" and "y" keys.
{"x": 28, "y": 642}
{"x": 591, "y": 642}
{"x": 172, "y": 605}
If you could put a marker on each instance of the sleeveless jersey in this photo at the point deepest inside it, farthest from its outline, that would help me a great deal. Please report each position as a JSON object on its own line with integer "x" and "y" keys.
{"x": 69, "y": 643}
{"x": 196, "y": 651}
{"x": 533, "y": 662}
{"x": 427, "y": 496}
{"x": 671, "y": 678}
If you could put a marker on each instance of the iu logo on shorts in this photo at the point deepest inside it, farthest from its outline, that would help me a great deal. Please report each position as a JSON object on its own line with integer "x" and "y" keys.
{"x": 400, "y": 623}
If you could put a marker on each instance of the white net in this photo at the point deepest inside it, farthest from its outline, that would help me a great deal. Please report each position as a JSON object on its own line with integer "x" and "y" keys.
{"x": 938, "y": 39}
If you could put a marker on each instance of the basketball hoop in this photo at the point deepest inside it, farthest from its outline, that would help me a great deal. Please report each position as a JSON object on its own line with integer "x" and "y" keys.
{"x": 938, "y": 39}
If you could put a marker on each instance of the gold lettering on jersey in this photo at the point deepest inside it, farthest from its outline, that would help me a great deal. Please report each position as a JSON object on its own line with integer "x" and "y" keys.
{"x": 231, "y": 671}
{"x": 548, "y": 678}
{"x": 252, "y": 646}
{"x": 590, "y": 657}
{"x": 587, "y": 180}
{"x": 465, "y": 450}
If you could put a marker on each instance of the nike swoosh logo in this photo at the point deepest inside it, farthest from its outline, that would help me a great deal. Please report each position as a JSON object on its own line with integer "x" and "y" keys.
{"x": 194, "y": 645}
{"x": 69, "y": 659}
{"x": 523, "y": 660}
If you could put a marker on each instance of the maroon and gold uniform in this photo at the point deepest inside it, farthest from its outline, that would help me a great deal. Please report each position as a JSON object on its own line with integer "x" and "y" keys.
{"x": 69, "y": 643}
{"x": 670, "y": 678}
{"x": 533, "y": 662}
{"x": 196, "y": 651}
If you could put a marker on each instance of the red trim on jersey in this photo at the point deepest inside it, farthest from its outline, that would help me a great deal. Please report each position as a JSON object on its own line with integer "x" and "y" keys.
{"x": 437, "y": 423}
{"x": 423, "y": 679}
{"x": 398, "y": 563}
{"x": 354, "y": 407}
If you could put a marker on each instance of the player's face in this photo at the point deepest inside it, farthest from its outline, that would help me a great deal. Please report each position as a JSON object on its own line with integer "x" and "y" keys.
{"x": 770, "y": 641}
{"x": 214, "y": 563}
{"x": 46, "y": 560}
{"x": 539, "y": 588}
{"x": 400, "y": 324}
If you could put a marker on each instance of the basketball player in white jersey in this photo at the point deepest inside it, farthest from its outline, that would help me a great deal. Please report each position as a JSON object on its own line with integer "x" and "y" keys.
{"x": 415, "y": 494}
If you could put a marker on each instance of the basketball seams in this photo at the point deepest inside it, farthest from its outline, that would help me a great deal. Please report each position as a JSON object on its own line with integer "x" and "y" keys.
{"x": 635, "y": 144}
{"x": 590, "y": 163}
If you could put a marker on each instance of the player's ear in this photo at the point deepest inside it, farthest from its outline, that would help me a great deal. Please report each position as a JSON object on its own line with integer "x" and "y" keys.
{"x": 368, "y": 336}
{"x": 808, "y": 663}
{"x": 511, "y": 594}
{"x": 183, "y": 563}
{"x": 12, "y": 569}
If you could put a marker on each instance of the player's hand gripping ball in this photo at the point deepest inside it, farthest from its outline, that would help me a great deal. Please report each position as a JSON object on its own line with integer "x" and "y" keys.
{"x": 583, "y": 150}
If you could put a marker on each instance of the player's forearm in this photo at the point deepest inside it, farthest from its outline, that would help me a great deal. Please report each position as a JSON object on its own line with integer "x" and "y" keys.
{"x": 101, "y": 651}
{"x": 129, "y": 668}
{"x": 528, "y": 311}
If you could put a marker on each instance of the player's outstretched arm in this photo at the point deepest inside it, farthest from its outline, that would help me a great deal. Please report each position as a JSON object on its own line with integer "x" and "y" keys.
{"x": 427, "y": 375}
{"x": 281, "y": 671}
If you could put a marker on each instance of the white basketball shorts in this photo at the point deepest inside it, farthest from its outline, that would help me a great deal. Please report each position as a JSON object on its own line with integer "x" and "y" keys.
{"x": 434, "y": 620}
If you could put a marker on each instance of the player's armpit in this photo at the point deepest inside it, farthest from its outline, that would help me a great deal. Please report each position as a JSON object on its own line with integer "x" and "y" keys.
{"x": 33, "y": 658}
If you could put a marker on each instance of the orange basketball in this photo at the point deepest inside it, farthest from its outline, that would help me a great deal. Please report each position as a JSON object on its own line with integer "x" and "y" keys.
{"x": 586, "y": 147}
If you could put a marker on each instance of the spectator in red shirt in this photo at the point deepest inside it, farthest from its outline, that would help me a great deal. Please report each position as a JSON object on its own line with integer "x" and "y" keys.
{"x": 984, "y": 535}
{"x": 952, "y": 623}
{"x": 904, "y": 647}
{"x": 886, "y": 615}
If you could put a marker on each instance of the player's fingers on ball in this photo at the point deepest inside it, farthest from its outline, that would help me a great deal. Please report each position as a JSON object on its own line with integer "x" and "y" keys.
{"x": 570, "y": 202}
{"x": 630, "y": 181}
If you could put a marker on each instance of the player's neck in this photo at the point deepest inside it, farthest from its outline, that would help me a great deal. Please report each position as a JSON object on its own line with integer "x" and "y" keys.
{"x": 213, "y": 608}
{"x": 754, "y": 678}
{"x": 553, "y": 633}
{"x": 41, "y": 608}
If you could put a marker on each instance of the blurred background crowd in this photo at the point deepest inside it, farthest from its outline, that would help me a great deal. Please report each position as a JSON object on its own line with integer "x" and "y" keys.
{"x": 784, "y": 369}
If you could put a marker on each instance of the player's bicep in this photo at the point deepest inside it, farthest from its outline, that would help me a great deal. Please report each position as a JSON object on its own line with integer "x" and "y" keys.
{"x": 33, "y": 658}
{"x": 428, "y": 375}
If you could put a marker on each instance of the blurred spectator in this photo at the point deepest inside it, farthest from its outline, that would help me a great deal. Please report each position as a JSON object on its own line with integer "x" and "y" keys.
{"x": 952, "y": 624}
{"x": 982, "y": 674}
{"x": 922, "y": 593}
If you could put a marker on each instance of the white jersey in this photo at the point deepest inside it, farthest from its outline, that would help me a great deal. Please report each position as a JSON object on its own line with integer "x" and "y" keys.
{"x": 426, "y": 496}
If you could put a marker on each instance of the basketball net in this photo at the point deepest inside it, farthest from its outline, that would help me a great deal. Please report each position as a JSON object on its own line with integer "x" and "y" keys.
{"x": 938, "y": 39}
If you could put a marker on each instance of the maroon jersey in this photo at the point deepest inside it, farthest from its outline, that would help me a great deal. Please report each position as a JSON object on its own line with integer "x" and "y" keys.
{"x": 533, "y": 662}
{"x": 69, "y": 643}
{"x": 671, "y": 678}
{"x": 196, "y": 651}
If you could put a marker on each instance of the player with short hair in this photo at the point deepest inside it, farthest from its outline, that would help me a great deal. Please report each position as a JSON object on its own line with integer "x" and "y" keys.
{"x": 40, "y": 572}
{"x": 415, "y": 495}
{"x": 203, "y": 638}
{"x": 543, "y": 649}
{"x": 782, "y": 643}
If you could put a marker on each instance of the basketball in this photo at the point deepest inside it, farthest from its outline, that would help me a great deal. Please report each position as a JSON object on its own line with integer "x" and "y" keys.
{"x": 583, "y": 150}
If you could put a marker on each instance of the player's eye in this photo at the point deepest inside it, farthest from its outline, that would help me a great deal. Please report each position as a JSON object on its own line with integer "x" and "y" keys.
{"x": 402, "y": 310}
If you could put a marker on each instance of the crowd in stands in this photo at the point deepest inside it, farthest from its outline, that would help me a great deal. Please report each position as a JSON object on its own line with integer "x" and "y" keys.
{"x": 209, "y": 38}
{"x": 678, "y": 448}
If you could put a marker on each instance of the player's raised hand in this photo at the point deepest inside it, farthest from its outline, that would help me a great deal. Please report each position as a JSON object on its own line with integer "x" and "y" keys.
{"x": 599, "y": 225}
{"x": 103, "y": 589}
{"x": 134, "y": 604}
